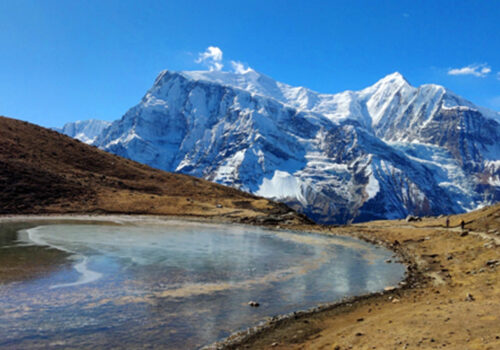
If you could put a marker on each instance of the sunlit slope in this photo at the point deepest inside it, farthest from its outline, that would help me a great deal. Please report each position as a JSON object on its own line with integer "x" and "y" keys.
{"x": 42, "y": 171}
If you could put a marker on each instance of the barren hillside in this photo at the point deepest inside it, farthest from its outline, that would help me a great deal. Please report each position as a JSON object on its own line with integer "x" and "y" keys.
{"x": 42, "y": 171}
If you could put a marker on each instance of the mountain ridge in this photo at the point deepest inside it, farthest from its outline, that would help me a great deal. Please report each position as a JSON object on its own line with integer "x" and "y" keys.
{"x": 84, "y": 130}
{"x": 385, "y": 151}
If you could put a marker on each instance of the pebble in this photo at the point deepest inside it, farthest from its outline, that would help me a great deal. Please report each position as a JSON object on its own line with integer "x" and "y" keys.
{"x": 491, "y": 262}
{"x": 253, "y": 303}
{"x": 469, "y": 297}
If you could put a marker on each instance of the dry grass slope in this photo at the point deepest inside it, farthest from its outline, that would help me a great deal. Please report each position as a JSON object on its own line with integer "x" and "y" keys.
{"x": 42, "y": 171}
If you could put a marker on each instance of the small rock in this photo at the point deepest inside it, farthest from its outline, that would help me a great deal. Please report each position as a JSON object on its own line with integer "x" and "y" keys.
{"x": 359, "y": 334}
{"x": 360, "y": 320}
{"x": 389, "y": 288}
{"x": 388, "y": 261}
{"x": 491, "y": 262}
{"x": 411, "y": 218}
{"x": 469, "y": 297}
{"x": 463, "y": 234}
{"x": 274, "y": 344}
{"x": 253, "y": 303}
{"x": 395, "y": 300}
{"x": 219, "y": 205}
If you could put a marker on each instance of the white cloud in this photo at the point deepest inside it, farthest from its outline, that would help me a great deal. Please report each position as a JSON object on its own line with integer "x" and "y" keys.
{"x": 212, "y": 57}
{"x": 477, "y": 70}
{"x": 498, "y": 75}
{"x": 239, "y": 67}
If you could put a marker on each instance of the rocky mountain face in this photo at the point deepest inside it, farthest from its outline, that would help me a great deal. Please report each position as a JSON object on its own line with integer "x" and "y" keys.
{"x": 379, "y": 153}
{"x": 85, "y": 131}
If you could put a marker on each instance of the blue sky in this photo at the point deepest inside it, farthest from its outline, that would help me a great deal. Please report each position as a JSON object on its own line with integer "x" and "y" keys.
{"x": 62, "y": 61}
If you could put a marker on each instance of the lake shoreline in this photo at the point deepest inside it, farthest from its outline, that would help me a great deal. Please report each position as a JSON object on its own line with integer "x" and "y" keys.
{"x": 237, "y": 338}
{"x": 450, "y": 296}
{"x": 413, "y": 279}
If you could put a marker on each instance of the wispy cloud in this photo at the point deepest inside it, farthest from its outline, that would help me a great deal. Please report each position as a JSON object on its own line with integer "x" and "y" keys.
{"x": 212, "y": 57}
{"x": 239, "y": 67}
{"x": 477, "y": 70}
{"x": 498, "y": 75}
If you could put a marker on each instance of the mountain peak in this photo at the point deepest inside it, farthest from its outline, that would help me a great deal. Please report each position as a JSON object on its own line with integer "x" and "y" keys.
{"x": 224, "y": 77}
{"x": 394, "y": 78}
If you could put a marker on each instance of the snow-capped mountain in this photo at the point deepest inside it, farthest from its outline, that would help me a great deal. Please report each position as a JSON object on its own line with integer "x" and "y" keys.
{"x": 383, "y": 152}
{"x": 85, "y": 131}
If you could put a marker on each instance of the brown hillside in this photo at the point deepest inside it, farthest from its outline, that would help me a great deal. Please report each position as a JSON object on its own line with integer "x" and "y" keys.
{"x": 42, "y": 171}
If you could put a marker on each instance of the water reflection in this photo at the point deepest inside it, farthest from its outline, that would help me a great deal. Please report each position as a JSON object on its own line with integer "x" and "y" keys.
{"x": 177, "y": 285}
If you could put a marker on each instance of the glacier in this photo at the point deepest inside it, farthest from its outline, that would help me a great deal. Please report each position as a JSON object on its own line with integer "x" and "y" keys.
{"x": 383, "y": 152}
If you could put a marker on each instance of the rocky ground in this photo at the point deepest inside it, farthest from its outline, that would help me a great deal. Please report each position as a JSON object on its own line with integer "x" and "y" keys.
{"x": 450, "y": 300}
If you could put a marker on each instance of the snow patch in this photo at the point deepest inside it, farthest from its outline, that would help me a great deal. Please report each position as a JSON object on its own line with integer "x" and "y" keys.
{"x": 372, "y": 188}
{"x": 282, "y": 186}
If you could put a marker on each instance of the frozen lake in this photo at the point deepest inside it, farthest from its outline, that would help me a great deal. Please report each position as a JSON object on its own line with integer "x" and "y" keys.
{"x": 175, "y": 285}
